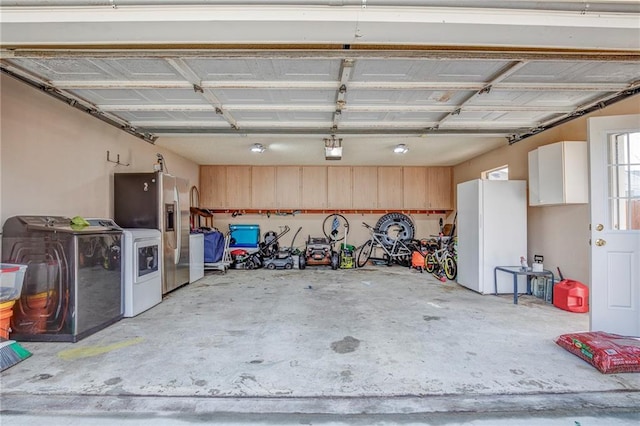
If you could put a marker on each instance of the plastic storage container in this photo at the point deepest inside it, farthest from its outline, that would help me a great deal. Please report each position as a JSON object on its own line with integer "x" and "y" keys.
{"x": 244, "y": 235}
{"x": 571, "y": 296}
{"x": 11, "y": 278}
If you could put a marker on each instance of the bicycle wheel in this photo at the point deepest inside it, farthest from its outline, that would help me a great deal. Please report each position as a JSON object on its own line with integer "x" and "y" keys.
{"x": 450, "y": 267}
{"x": 335, "y": 225}
{"x": 430, "y": 262}
{"x": 365, "y": 253}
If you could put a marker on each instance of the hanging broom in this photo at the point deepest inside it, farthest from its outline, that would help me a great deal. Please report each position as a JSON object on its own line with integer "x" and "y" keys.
{"x": 11, "y": 353}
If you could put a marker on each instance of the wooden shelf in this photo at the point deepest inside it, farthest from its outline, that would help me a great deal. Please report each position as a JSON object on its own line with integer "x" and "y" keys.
{"x": 285, "y": 212}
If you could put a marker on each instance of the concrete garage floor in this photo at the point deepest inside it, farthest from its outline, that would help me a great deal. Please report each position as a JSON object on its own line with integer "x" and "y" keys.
{"x": 378, "y": 345}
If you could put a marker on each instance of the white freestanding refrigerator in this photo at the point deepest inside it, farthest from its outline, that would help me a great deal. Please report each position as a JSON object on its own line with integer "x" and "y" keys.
{"x": 492, "y": 231}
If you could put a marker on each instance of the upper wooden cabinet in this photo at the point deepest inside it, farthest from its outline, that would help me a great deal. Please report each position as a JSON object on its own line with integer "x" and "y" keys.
{"x": 263, "y": 187}
{"x": 414, "y": 187}
{"x": 390, "y": 192}
{"x": 365, "y": 187}
{"x": 314, "y": 187}
{"x": 213, "y": 187}
{"x": 326, "y": 187}
{"x": 238, "y": 187}
{"x": 288, "y": 182}
{"x": 339, "y": 188}
{"x": 439, "y": 188}
{"x": 427, "y": 188}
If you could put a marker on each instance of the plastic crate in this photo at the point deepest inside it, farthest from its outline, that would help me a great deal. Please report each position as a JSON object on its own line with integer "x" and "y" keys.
{"x": 11, "y": 279}
{"x": 245, "y": 235}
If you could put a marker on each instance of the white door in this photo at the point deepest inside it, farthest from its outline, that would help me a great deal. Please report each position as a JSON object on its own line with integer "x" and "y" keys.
{"x": 614, "y": 152}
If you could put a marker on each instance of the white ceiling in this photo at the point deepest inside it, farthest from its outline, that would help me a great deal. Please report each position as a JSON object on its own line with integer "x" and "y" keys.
{"x": 450, "y": 83}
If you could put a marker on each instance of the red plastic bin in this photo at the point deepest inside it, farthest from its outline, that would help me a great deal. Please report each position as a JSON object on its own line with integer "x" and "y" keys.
{"x": 572, "y": 296}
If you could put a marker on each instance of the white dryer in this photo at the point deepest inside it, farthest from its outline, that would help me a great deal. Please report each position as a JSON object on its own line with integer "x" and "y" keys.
{"x": 142, "y": 256}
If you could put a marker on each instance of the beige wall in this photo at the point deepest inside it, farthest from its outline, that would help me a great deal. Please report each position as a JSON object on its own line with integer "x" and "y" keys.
{"x": 559, "y": 233}
{"x": 54, "y": 157}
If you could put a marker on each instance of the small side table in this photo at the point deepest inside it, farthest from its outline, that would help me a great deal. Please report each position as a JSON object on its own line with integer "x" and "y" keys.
{"x": 515, "y": 271}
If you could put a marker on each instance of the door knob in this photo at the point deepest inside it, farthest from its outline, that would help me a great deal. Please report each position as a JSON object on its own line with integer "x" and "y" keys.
{"x": 599, "y": 227}
{"x": 600, "y": 242}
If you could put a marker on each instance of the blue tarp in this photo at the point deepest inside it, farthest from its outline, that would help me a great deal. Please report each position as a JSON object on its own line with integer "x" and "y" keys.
{"x": 213, "y": 246}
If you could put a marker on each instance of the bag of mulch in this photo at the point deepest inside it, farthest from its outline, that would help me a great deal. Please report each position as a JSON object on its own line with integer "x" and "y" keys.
{"x": 609, "y": 353}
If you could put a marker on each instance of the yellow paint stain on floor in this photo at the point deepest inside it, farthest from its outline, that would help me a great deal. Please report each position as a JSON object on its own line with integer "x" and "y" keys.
{"x": 89, "y": 351}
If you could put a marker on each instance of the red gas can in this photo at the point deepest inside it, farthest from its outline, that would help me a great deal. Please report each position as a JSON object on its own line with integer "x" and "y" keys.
{"x": 571, "y": 296}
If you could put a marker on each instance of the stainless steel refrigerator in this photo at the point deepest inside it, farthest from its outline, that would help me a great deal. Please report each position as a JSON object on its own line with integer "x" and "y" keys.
{"x": 160, "y": 201}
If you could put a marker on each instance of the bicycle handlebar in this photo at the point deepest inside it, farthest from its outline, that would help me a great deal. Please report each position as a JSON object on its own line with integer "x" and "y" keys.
{"x": 367, "y": 226}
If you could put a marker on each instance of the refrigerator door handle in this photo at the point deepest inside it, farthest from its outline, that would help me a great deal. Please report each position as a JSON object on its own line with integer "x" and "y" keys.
{"x": 178, "y": 227}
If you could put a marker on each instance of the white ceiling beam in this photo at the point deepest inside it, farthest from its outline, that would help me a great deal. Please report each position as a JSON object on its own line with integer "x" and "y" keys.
{"x": 501, "y": 75}
{"x": 368, "y": 51}
{"x": 566, "y": 5}
{"x": 329, "y": 108}
{"x": 185, "y": 24}
{"x": 356, "y": 132}
{"x": 341, "y": 93}
{"x": 359, "y": 127}
{"x": 188, "y": 74}
{"x": 353, "y": 85}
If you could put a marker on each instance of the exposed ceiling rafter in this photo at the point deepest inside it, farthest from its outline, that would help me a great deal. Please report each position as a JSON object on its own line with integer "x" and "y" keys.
{"x": 185, "y": 71}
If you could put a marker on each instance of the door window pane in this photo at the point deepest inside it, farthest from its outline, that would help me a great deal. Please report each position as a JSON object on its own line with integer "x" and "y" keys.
{"x": 624, "y": 181}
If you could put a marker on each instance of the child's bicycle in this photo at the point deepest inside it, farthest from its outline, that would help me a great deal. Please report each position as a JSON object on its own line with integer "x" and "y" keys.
{"x": 441, "y": 263}
{"x": 441, "y": 258}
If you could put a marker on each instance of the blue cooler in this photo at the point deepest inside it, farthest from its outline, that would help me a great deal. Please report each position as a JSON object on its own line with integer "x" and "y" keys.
{"x": 247, "y": 236}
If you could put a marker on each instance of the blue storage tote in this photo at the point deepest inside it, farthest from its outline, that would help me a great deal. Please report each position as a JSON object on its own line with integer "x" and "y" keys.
{"x": 245, "y": 235}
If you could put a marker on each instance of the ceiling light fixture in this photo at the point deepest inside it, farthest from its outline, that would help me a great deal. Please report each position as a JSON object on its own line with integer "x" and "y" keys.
{"x": 332, "y": 148}
{"x": 257, "y": 147}
{"x": 401, "y": 149}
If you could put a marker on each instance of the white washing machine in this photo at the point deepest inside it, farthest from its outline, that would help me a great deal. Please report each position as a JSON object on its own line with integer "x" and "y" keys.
{"x": 142, "y": 256}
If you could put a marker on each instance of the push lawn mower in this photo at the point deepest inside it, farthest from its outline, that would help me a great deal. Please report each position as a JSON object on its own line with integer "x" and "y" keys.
{"x": 282, "y": 258}
{"x": 267, "y": 249}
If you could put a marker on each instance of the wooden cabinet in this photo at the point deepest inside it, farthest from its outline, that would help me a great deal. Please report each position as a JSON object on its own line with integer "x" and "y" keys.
{"x": 238, "y": 187}
{"x": 439, "y": 188}
{"x": 325, "y": 187}
{"x": 288, "y": 184}
{"x": 558, "y": 174}
{"x": 314, "y": 187}
{"x": 263, "y": 187}
{"x": 414, "y": 187}
{"x": 339, "y": 187}
{"x": 213, "y": 187}
{"x": 390, "y": 192}
{"x": 365, "y": 187}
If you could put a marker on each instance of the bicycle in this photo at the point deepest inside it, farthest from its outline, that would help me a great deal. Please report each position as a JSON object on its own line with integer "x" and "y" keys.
{"x": 398, "y": 251}
{"x": 441, "y": 261}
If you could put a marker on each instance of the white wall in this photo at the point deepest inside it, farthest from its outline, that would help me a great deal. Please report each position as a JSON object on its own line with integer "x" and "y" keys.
{"x": 54, "y": 157}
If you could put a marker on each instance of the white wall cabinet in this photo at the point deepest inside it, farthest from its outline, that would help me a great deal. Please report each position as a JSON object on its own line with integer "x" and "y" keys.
{"x": 558, "y": 174}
